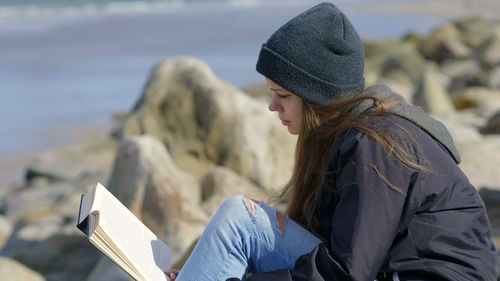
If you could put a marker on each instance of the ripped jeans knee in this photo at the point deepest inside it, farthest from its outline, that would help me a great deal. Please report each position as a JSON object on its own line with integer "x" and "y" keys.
{"x": 252, "y": 206}
{"x": 241, "y": 203}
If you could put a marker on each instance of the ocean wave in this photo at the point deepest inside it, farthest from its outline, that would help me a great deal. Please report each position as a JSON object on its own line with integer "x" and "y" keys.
{"x": 68, "y": 8}
{"x": 19, "y": 12}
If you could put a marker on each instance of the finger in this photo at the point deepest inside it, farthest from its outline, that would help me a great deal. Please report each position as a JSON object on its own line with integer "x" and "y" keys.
{"x": 172, "y": 277}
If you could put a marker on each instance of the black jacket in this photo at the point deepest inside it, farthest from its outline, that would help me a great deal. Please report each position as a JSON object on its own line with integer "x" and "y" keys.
{"x": 379, "y": 216}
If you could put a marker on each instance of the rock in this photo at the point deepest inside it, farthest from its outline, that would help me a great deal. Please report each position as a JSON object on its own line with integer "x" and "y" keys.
{"x": 33, "y": 205}
{"x": 391, "y": 57}
{"x": 493, "y": 125}
{"x": 147, "y": 181}
{"x": 41, "y": 230}
{"x": 474, "y": 30}
{"x": 491, "y": 197}
{"x": 12, "y": 270}
{"x": 412, "y": 38}
{"x": 462, "y": 73}
{"x": 406, "y": 59}
{"x": 119, "y": 119}
{"x": 260, "y": 92}
{"x": 480, "y": 161}
{"x": 109, "y": 271}
{"x": 69, "y": 163}
{"x": 431, "y": 94}
{"x": 5, "y": 230}
{"x": 371, "y": 73}
{"x": 180, "y": 263}
{"x": 404, "y": 89}
{"x": 49, "y": 166}
{"x": 374, "y": 48}
{"x": 493, "y": 78}
{"x": 221, "y": 184}
{"x": 489, "y": 51}
{"x": 194, "y": 113}
{"x": 398, "y": 65}
{"x": 463, "y": 126}
{"x": 60, "y": 257}
{"x": 444, "y": 43}
{"x": 484, "y": 100}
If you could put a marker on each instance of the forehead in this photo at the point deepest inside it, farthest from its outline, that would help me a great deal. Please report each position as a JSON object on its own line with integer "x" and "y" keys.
{"x": 272, "y": 84}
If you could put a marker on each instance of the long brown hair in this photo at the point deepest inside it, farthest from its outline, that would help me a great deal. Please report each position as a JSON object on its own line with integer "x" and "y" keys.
{"x": 321, "y": 127}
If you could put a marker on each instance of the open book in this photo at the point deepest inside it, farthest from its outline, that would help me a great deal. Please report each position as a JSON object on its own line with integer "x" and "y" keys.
{"x": 121, "y": 236}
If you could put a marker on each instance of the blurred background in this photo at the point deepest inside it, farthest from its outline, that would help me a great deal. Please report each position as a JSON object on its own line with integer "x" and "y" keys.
{"x": 71, "y": 72}
{"x": 67, "y": 66}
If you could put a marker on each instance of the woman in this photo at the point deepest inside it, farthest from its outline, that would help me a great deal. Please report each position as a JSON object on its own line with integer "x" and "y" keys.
{"x": 376, "y": 192}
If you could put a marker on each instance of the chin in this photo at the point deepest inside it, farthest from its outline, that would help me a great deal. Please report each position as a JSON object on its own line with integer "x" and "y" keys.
{"x": 293, "y": 131}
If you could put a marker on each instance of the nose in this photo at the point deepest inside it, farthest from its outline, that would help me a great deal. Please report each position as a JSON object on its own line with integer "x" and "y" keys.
{"x": 274, "y": 104}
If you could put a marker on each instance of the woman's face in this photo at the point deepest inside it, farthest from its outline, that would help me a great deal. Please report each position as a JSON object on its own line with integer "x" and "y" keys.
{"x": 288, "y": 106}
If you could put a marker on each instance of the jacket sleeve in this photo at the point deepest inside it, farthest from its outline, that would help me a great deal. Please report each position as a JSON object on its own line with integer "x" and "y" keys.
{"x": 370, "y": 196}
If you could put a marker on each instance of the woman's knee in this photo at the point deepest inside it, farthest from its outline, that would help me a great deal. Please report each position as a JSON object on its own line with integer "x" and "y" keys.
{"x": 241, "y": 204}
{"x": 238, "y": 204}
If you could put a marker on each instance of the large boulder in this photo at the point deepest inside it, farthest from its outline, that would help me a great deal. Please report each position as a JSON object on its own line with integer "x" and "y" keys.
{"x": 260, "y": 92}
{"x": 444, "y": 43}
{"x": 389, "y": 57}
{"x": 35, "y": 204}
{"x": 196, "y": 115}
{"x": 474, "y": 30}
{"x": 147, "y": 181}
{"x": 489, "y": 51}
{"x": 432, "y": 95}
{"x": 463, "y": 126}
{"x": 396, "y": 64}
{"x": 109, "y": 271}
{"x": 59, "y": 257}
{"x": 461, "y": 73}
{"x": 5, "y": 230}
{"x": 493, "y": 78}
{"x": 406, "y": 90}
{"x": 493, "y": 125}
{"x": 406, "y": 59}
{"x": 484, "y": 100}
{"x": 222, "y": 183}
{"x": 12, "y": 270}
{"x": 70, "y": 163}
{"x": 480, "y": 161}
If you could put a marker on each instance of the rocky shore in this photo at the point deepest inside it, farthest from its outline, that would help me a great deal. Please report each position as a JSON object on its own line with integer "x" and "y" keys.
{"x": 192, "y": 140}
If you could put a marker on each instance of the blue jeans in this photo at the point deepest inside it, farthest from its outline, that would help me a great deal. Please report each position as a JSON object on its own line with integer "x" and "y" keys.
{"x": 240, "y": 239}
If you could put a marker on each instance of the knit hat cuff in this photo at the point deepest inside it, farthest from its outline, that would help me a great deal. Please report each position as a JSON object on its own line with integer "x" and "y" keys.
{"x": 300, "y": 82}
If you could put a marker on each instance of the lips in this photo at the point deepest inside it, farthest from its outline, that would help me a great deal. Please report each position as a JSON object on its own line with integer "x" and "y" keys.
{"x": 285, "y": 122}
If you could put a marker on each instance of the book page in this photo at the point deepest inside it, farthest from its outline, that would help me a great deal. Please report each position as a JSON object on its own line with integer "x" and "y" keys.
{"x": 149, "y": 254}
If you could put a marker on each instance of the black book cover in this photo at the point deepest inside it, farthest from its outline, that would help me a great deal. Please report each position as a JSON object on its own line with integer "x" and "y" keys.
{"x": 84, "y": 225}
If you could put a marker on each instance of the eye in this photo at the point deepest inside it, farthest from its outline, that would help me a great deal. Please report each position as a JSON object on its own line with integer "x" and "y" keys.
{"x": 283, "y": 96}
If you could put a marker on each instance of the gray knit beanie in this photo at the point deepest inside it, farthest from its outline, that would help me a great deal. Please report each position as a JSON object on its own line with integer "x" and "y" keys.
{"x": 317, "y": 56}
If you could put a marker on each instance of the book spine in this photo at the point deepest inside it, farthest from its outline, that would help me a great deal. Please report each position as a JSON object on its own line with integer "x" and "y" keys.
{"x": 84, "y": 224}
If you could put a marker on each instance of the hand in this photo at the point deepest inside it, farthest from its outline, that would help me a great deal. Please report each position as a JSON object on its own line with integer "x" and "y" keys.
{"x": 172, "y": 274}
